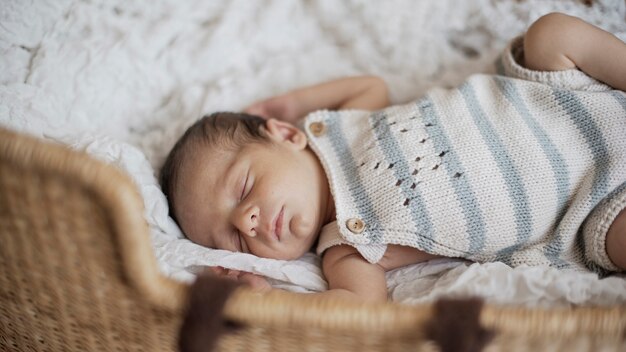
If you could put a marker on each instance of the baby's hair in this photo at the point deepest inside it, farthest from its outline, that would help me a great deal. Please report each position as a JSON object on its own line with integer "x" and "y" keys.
{"x": 226, "y": 130}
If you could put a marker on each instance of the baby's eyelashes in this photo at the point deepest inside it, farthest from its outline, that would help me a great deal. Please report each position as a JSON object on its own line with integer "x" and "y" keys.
{"x": 247, "y": 187}
{"x": 243, "y": 189}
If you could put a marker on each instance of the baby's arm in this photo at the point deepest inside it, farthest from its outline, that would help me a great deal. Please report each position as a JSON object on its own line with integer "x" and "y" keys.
{"x": 349, "y": 276}
{"x": 352, "y": 277}
{"x": 364, "y": 92}
{"x": 559, "y": 42}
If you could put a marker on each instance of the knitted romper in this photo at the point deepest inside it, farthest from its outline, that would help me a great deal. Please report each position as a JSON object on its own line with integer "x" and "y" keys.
{"x": 522, "y": 167}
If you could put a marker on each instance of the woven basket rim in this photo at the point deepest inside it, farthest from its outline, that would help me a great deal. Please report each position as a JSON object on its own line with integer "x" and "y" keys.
{"x": 287, "y": 309}
{"x": 117, "y": 194}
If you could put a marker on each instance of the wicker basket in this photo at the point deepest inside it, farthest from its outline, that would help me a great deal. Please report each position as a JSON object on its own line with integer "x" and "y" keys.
{"x": 78, "y": 274}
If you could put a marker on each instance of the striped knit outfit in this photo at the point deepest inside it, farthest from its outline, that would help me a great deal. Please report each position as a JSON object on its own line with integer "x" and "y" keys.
{"x": 522, "y": 167}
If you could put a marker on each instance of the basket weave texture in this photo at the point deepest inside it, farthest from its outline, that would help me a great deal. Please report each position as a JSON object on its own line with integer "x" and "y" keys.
{"x": 63, "y": 279}
{"x": 77, "y": 273}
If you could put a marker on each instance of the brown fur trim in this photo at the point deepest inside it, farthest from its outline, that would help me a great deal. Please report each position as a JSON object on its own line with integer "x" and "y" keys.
{"x": 456, "y": 327}
{"x": 204, "y": 323}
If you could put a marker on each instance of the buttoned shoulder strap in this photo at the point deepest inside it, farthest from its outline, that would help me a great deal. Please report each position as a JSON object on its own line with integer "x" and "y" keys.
{"x": 329, "y": 237}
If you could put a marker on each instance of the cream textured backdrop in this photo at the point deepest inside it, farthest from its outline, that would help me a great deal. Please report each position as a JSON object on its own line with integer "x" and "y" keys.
{"x": 123, "y": 79}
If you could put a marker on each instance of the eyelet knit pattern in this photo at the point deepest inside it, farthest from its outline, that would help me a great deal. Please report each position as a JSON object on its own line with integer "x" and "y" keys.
{"x": 504, "y": 168}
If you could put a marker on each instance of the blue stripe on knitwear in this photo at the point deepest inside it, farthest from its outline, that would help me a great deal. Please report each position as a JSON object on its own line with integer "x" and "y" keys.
{"x": 358, "y": 192}
{"x": 557, "y": 162}
{"x": 617, "y": 191}
{"x": 393, "y": 154}
{"x": 508, "y": 170}
{"x": 473, "y": 215}
{"x": 620, "y": 97}
{"x": 594, "y": 139}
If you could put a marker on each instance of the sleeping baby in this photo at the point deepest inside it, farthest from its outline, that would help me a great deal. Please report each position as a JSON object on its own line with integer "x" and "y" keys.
{"x": 524, "y": 167}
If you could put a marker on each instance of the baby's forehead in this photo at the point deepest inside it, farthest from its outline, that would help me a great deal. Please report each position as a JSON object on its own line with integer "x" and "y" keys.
{"x": 206, "y": 166}
{"x": 199, "y": 190}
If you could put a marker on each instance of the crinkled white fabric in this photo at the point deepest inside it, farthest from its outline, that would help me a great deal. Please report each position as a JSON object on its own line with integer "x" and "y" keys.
{"x": 499, "y": 283}
{"x": 123, "y": 79}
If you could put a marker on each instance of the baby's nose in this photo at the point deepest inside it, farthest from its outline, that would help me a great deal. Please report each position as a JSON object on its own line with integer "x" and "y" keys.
{"x": 249, "y": 223}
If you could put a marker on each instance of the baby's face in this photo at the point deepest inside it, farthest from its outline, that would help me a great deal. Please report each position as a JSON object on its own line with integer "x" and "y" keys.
{"x": 270, "y": 200}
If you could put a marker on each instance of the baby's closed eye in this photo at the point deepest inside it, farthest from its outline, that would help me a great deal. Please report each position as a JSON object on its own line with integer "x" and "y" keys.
{"x": 243, "y": 189}
{"x": 247, "y": 187}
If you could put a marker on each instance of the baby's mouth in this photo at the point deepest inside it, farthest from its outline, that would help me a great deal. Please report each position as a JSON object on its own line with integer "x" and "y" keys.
{"x": 278, "y": 224}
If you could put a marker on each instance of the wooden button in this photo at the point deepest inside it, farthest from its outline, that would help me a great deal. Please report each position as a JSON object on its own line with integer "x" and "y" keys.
{"x": 317, "y": 128}
{"x": 355, "y": 225}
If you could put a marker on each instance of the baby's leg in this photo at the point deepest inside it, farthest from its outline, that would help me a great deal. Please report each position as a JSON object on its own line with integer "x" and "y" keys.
{"x": 616, "y": 241}
{"x": 604, "y": 232}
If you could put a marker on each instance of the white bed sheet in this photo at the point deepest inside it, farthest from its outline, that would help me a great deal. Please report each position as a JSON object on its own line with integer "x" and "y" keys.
{"x": 122, "y": 80}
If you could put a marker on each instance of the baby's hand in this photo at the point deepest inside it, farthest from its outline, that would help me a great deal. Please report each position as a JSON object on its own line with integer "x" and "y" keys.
{"x": 256, "y": 282}
{"x": 282, "y": 107}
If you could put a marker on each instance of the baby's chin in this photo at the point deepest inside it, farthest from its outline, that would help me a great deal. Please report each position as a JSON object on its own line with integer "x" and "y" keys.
{"x": 296, "y": 253}
{"x": 290, "y": 255}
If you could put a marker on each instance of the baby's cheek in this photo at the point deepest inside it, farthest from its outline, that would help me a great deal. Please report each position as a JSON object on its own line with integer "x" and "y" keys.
{"x": 301, "y": 226}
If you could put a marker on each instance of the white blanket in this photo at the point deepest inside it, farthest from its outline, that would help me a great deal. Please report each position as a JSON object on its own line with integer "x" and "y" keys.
{"x": 123, "y": 79}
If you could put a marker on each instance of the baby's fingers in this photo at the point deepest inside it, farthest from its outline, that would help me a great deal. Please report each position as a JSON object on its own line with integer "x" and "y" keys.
{"x": 217, "y": 270}
{"x": 258, "y": 109}
{"x": 256, "y": 282}
{"x": 221, "y": 271}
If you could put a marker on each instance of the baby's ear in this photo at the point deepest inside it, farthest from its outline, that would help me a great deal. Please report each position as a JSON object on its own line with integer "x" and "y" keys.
{"x": 281, "y": 131}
